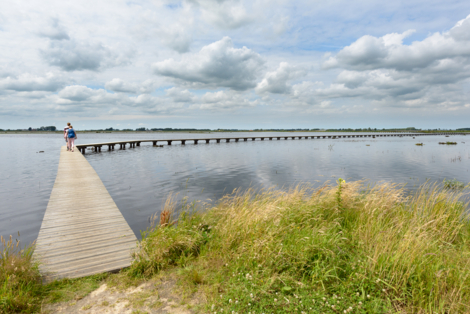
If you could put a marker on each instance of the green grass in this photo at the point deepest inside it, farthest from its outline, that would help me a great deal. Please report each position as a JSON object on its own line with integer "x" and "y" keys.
{"x": 72, "y": 289}
{"x": 20, "y": 288}
{"x": 337, "y": 249}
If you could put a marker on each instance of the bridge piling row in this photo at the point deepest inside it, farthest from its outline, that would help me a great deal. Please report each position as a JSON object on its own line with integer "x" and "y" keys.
{"x": 133, "y": 144}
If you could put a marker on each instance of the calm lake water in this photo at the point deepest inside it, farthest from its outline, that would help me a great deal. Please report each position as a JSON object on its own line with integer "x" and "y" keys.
{"x": 140, "y": 179}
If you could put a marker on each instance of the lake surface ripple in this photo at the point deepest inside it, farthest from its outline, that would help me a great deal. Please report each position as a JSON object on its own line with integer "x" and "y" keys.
{"x": 140, "y": 179}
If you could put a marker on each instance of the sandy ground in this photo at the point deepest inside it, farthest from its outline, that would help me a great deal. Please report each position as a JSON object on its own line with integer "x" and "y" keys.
{"x": 150, "y": 297}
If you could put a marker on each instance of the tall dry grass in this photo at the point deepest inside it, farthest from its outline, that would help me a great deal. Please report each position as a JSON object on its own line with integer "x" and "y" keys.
{"x": 346, "y": 248}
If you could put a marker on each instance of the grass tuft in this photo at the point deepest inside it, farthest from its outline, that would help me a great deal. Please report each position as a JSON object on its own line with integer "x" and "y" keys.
{"x": 20, "y": 287}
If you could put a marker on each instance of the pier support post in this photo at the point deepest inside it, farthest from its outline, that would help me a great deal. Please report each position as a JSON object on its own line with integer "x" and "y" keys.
{"x": 138, "y": 143}
{"x": 207, "y": 141}
{"x": 262, "y": 138}
{"x": 183, "y": 142}
{"x": 169, "y": 142}
{"x": 253, "y": 139}
{"x": 195, "y": 142}
{"x": 270, "y": 138}
{"x": 154, "y": 143}
{"x": 218, "y": 140}
{"x": 278, "y": 138}
{"x": 227, "y": 140}
{"x": 245, "y": 139}
{"x": 236, "y": 140}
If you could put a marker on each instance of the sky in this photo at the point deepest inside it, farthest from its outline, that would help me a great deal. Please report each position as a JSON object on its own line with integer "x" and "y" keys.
{"x": 235, "y": 64}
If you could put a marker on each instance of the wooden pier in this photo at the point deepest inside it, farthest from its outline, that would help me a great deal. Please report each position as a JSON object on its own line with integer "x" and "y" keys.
{"x": 134, "y": 143}
{"x": 83, "y": 231}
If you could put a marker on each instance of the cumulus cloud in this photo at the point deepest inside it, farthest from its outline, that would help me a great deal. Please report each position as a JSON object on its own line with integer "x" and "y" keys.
{"x": 71, "y": 55}
{"x": 216, "y": 65}
{"x": 176, "y": 37}
{"x": 54, "y": 30}
{"x": 226, "y": 14}
{"x": 384, "y": 68}
{"x": 389, "y": 52}
{"x": 223, "y": 100}
{"x": 180, "y": 95}
{"x": 29, "y": 83}
{"x": 79, "y": 97}
{"x": 76, "y": 93}
{"x": 276, "y": 82}
{"x": 118, "y": 85}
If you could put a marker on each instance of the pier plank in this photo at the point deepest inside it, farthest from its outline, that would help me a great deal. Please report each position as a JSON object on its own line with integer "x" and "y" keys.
{"x": 83, "y": 232}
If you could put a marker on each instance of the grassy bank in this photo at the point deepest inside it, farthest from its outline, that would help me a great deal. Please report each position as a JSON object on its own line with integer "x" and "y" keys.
{"x": 331, "y": 250}
{"x": 343, "y": 248}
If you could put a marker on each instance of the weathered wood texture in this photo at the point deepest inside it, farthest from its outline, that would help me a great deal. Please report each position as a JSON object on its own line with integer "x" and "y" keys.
{"x": 83, "y": 232}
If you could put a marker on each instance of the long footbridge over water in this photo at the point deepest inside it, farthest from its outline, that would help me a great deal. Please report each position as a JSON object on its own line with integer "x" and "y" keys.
{"x": 134, "y": 143}
{"x": 84, "y": 233}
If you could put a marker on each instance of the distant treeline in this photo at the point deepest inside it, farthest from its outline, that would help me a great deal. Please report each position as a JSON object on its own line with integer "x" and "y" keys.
{"x": 43, "y": 128}
{"x": 409, "y": 129}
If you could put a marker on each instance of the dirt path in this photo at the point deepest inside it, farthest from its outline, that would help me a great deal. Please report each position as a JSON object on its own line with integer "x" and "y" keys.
{"x": 155, "y": 296}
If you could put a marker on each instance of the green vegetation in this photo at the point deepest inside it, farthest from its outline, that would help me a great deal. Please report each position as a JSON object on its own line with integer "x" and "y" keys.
{"x": 453, "y": 184}
{"x": 448, "y": 143}
{"x": 332, "y": 250}
{"x": 419, "y": 144}
{"x": 20, "y": 288}
{"x": 343, "y": 248}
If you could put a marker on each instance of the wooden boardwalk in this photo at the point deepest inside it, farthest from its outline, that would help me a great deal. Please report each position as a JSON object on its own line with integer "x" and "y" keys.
{"x": 134, "y": 143}
{"x": 83, "y": 231}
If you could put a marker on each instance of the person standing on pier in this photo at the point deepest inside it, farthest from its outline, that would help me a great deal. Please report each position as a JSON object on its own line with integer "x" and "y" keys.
{"x": 72, "y": 136}
{"x": 66, "y": 129}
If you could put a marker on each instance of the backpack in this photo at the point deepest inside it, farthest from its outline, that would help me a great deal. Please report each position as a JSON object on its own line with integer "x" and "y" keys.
{"x": 70, "y": 133}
